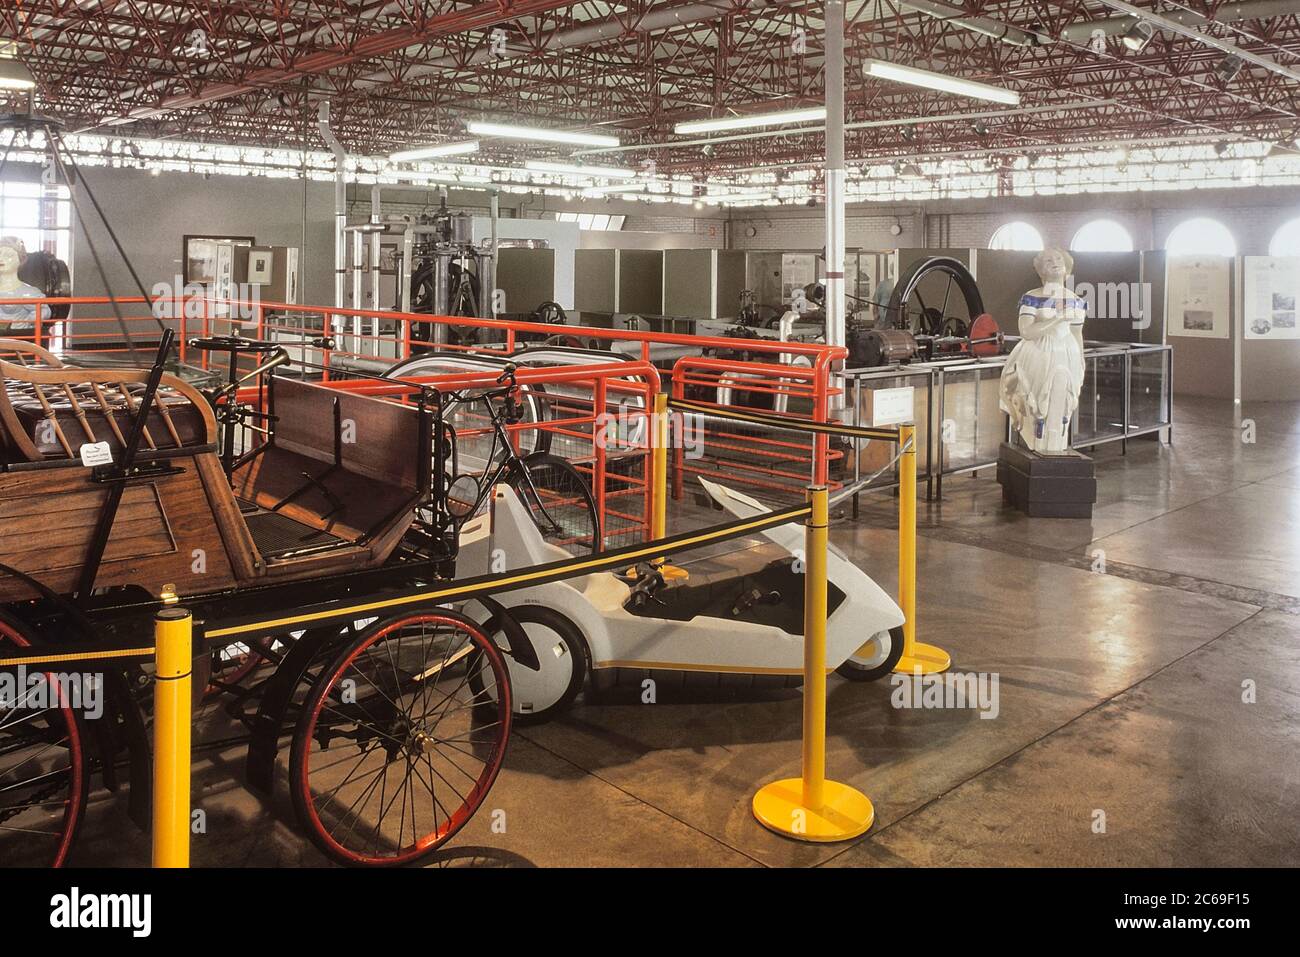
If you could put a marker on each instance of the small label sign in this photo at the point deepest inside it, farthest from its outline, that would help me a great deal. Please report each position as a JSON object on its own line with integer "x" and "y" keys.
{"x": 892, "y": 406}
{"x": 96, "y": 453}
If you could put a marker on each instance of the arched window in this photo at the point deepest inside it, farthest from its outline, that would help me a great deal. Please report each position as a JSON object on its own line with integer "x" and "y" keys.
{"x": 1017, "y": 235}
{"x": 1286, "y": 241}
{"x": 1102, "y": 236}
{"x": 1201, "y": 237}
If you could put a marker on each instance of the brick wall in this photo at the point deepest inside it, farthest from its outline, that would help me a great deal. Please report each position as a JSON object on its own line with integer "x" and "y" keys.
{"x": 709, "y": 233}
{"x": 1253, "y": 226}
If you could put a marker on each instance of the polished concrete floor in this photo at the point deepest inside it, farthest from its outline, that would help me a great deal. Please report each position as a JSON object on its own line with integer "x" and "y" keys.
{"x": 1148, "y": 666}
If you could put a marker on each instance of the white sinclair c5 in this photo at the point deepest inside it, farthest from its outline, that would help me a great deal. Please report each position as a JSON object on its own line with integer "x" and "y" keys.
{"x": 738, "y": 617}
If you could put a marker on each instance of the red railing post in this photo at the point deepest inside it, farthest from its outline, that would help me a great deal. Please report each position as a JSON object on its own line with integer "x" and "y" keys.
{"x": 600, "y": 422}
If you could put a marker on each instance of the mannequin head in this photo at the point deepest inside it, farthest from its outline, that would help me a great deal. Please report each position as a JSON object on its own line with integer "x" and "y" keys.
{"x": 1053, "y": 265}
{"x": 12, "y": 256}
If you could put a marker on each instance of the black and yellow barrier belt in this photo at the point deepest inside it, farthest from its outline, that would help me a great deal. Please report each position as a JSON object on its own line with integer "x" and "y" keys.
{"x": 759, "y": 417}
{"x": 327, "y": 612}
{"x": 524, "y": 578}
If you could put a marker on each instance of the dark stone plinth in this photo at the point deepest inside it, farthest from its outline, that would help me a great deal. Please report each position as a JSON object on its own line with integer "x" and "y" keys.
{"x": 1047, "y": 486}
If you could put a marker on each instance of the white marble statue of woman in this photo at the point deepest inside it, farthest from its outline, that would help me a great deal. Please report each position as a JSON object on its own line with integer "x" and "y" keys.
{"x": 1041, "y": 380}
{"x": 17, "y": 319}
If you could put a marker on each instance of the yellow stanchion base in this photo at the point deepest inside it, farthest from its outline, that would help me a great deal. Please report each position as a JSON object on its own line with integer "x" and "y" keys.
{"x": 846, "y": 814}
{"x": 924, "y": 659}
{"x": 670, "y": 572}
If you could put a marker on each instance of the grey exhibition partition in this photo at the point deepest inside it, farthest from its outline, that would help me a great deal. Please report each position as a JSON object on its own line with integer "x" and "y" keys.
{"x": 640, "y": 282}
{"x": 729, "y": 282}
{"x": 703, "y": 283}
{"x": 526, "y": 277}
{"x": 1111, "y": 283}
{"x": 1152, "y": 276}
{"x": 595, "y": 280}
{"x": 1003, "y": 276}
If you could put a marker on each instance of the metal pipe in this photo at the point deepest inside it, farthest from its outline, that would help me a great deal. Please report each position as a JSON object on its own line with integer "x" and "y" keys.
{"x": 835, "y": 299}
{"x": 1172, "y": 26}
{"x": 1082, "y": 31}
{"x": 611, "y": 29}
{"x": 340, "y": 202}
{"x": 981, "y": 25}
{"x": 376, "y": 219}
{"x": 487, "y": 288}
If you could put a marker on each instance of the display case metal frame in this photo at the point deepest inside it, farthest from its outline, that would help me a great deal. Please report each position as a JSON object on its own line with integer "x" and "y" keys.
{"x": 937, "y": 376}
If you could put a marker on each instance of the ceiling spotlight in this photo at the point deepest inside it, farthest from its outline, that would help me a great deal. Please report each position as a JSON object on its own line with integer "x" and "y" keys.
{"x": 1138, "y": 36}
{"x": 909, "y": 134}
{"x": 910, "y": 170}
{"x": 980, "y": 128}
{"x": 1228, "y": 68}
{"x": 1221, "y": 148}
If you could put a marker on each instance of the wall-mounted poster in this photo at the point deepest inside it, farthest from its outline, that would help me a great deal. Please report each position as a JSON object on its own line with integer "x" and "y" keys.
{"x": 1271, "y": 287}
{"x": 199, "y": 256}
{"x": 1197, "y": 301}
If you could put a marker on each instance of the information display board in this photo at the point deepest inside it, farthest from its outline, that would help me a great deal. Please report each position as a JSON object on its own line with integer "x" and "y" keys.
{"x": 1271, "y": 287}
{"x": 1197, "y": 300}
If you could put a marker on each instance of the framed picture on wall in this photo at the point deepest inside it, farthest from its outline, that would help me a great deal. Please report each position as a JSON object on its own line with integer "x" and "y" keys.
{"x": 200, "y": 257}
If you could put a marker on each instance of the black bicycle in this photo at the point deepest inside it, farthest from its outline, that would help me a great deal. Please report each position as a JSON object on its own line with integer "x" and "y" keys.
{"x": 555, "y": 493}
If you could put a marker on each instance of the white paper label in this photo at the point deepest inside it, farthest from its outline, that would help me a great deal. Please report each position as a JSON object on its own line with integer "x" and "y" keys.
{"x": 96, "y": 453}
{"x": 891, "y": 406}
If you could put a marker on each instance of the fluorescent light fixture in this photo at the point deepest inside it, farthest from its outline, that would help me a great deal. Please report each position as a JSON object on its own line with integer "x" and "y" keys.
{"x": 940, "y": 81}
{"x": 745, "y": 122}
{"x": 14, "y": 75}
{"x": 441, "y": 149}
{"x": 573, "y": 169}
{"x": 539, "y": 134}
{"x": 734, "y": 198}
{"x": 615, "y": 188}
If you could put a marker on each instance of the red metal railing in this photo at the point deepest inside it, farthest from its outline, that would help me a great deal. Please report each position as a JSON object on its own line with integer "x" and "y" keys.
{"x": 790, "y": 378}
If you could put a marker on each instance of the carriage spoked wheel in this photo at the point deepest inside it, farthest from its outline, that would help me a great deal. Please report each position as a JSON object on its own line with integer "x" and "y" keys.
{"x": 395, "y": 750}
{"x": 231, "y": 665}
{"x": 44, "y": 775}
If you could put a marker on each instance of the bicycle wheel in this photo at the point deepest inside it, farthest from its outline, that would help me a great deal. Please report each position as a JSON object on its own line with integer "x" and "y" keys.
{"x": 44, "y": 778}
{"x": 563, "y": 507}
{"x": 394, "y": 752}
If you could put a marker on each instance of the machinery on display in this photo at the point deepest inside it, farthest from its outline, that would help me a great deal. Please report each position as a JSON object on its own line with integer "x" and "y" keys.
{"x": 951, "y": 324}
{"x": 448, "y": 271}
{"x": 93, "y": 547}
{"x": 735, "y": 622}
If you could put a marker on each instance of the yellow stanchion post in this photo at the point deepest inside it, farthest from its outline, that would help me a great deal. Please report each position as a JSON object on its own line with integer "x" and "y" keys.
{"x": 173, "y": 662}
{"x": 918, "y": 657}
{"x": 659, "y": 451}
{"x": 809, "y": 807}
{"x": 659, "y": 486}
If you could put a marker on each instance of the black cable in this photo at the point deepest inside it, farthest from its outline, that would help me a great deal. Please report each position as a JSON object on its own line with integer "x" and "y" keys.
{"x": 54, "y": 143}
{"x": 112, "y": 235}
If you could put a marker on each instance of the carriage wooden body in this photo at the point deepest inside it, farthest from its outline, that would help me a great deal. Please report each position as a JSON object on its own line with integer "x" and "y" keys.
{"x": 332, "y": 487}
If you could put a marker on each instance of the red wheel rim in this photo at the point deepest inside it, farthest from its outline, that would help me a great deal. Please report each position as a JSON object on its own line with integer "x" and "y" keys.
{"x": 72, "y": 805}
{"x": 985, "y": 327}
{"x": 410, "y": 722}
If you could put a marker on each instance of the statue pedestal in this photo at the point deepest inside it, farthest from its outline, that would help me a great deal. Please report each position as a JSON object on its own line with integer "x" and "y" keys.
{"x": 1061, "y": 485}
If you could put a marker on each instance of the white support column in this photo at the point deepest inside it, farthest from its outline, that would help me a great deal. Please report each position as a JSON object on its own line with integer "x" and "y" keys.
{"x": 834, "y": 178}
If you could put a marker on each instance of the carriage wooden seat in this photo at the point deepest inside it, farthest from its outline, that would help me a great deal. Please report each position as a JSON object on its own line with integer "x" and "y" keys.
{"x": 343, "y": 465}
{"x": 48, "y": 410}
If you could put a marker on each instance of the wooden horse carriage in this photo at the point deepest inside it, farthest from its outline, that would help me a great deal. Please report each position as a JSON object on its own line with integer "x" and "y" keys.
{"x": 120, "y": 494}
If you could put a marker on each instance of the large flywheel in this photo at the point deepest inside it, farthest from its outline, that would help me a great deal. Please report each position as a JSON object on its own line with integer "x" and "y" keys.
{"x": 935, "y": 297}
